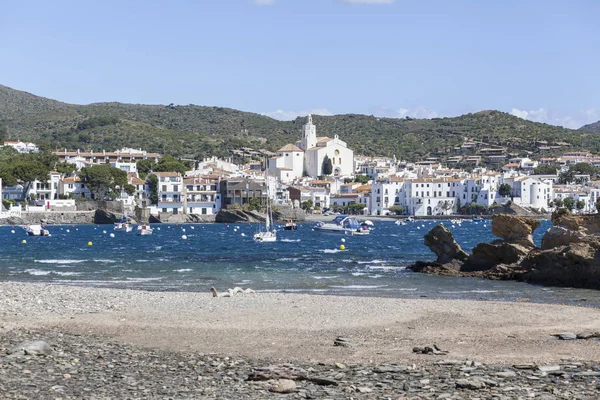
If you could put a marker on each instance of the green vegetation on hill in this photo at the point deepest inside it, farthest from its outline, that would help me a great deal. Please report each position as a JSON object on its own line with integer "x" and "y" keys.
{"x": 197, "y": 131}
{"x": 592, "y": 128}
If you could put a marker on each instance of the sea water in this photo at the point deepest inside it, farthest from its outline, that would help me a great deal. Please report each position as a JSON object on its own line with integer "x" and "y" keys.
{"x": 225, "y": 255}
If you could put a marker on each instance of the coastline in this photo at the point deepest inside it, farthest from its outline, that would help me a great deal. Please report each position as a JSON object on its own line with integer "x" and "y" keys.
{"x": 294, "y": 327}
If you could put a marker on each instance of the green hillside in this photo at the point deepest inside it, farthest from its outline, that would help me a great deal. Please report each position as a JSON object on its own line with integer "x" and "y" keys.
{"x": 592, "y": 128}
{"x": 196, "y": 131}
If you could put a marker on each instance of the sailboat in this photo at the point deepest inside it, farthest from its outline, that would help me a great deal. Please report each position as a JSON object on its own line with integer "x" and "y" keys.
{"x": 268, "y": 234}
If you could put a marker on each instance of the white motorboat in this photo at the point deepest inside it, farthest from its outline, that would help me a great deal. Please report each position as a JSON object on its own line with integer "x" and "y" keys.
{"x": 144, "y": 230}
{"x": 368, "y": 224}
{"x": 123, "y": 227}
{"x": 268, "y": 234}
{"x": 36, "y": 230}
{"x": 342, "y": 224}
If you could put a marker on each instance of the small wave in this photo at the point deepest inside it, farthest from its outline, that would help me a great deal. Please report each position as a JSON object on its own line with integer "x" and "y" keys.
{"x": 105, "y": 261}
{"x": 290, "y": 240}
{"x": 37, "y": 272}
{"x": 325, "y": 277}
{"x": 371, "y": 262}
{"x": 143, "y": 279}
{"x": 183, "y": 270}
{"x": 292, "y": 259}
{"x": 59, "y": 261}
{"x": 330, "y": 251}
{"x": 359, "y": 287}
{"x": 243, "y": 282}
{"x": 65, "y": 273}
{"x": 385, "y": 268}
{"x": 358, "y": 273}
{"x": 375, "y": 276}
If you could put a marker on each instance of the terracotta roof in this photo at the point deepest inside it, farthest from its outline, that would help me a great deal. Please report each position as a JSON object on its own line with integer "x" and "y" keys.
{"x": 71, "y": 179}
{"x": 289, "y": 147}
{"x": 166, "y": 173}
{"x": 136, "y": 181}
{"x": 363, "y": 188}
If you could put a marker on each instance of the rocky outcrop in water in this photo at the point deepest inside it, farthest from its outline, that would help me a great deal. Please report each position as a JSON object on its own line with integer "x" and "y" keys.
{"x": 570, "y": 253}
{"x": 442, "y": 243}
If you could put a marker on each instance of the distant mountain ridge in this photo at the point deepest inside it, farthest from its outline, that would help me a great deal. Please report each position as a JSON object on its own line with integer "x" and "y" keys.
{"x": 592, "y": 128}
{"x": 197, "y": 131}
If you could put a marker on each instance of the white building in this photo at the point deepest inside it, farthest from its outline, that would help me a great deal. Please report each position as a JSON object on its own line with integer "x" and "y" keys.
{"x": 170, "y": 186}
{"x": 23, "y": 147}
{"x": 307, "y": 156}
{"x": 288, "y": 164}
{"x": 201, "y": 196}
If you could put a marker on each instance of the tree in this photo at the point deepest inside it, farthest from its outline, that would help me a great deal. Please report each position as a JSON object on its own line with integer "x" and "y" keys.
{"x": 129, "y": 189}
{"x": 307, "y": 205}
{"x": 397, "y": 209}
{"x": 598, "y": 205}
{"x": 580, "y": 205}
{"x": 153, "y": 186}
{"x": 545, "y": 170}
{"x": 362, "y": 179}
{"x": 104, "y": 179}
{"x": 170, "y": 164}
{"x": 65, "y": 168}
{"x": 327, "y": 168}
{"x": 558, "y": 203}
{"x": 144, "y": 167}
{"x": 569, "y": 203}
{"x": 505, "y": 190}
{"x": 254, "y": 204}
{"x": 566, "y": 177}
{"x": 355, "y": 208}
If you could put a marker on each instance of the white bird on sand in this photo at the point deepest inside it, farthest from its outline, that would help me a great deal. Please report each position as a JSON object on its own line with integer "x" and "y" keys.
{"x": 230, "y": 292}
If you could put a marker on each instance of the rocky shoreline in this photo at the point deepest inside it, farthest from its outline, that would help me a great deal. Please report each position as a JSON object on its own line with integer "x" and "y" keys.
{"x": 569, "y": 255}
{"x": 71, "y": 366}
{"x": 73, "y": 342}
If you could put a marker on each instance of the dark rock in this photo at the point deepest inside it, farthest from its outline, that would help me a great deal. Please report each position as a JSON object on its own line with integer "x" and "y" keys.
{"x": 575, "y": 265}
{"x": 488, "y": 255}
{"x": 237, "y": 216}
{"x": 440, "y": 241}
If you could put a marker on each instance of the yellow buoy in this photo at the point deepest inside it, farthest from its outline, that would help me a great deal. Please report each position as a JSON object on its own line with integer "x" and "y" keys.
{"x": 23, "y": 241}
{"x": 342, "y": 247}
{"x": 90, "y": 243}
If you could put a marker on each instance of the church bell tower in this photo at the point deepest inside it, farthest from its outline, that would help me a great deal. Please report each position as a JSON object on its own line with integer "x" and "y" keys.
{"x": 309, "y": 134}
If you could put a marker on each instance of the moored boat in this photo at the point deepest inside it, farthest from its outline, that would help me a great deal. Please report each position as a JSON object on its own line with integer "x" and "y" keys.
{"x": 290, "y": 225}
{"x": 144, "y": 230}
{"x": 342, "y": 224}
{"x": 36, "y": 230}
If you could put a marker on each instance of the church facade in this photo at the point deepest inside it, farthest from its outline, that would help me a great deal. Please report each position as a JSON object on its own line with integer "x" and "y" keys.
{"x": 308, "y": 156}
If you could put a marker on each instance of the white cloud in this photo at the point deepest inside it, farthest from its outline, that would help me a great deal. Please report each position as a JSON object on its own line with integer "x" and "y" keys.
{"x": 368, "y": 1}
{"x": 417, "y": 112}
{"x": 290, "y": 115}
{"x": 263, "y": 2}
{"x": 576, "y": 121}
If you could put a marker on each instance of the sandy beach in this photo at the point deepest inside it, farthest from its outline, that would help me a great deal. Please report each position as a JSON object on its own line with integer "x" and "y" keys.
{"x": 292, "y": 327}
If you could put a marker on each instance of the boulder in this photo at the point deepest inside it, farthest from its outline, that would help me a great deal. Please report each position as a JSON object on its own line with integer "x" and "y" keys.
{"x": 488, "y": 255}
{"x": 32, "y": 348}
{"x": 586, "y": 224}
{"x": 560, "y": 236}
{"x": 575, "y": 265}
{"x": 440, "y": 240}
{"x": 435, "y": 268}
{"x": 514, "y": 229}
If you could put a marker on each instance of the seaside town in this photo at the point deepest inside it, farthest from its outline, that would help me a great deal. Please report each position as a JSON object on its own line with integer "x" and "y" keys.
{"x": 295, "y": 200}
{"x": 322, "y": 175}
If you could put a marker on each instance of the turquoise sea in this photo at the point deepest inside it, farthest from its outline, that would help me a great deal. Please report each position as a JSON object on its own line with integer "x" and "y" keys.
{"x": 225, "y": 256}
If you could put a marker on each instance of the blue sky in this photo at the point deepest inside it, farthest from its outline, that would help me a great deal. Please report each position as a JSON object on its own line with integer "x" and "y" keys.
{"x": 283, "y": 58}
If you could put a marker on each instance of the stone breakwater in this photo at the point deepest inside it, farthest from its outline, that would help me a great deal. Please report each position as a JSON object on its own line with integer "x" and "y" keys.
{"x": 569, "y": 255}
{"x": 94, "y": 367}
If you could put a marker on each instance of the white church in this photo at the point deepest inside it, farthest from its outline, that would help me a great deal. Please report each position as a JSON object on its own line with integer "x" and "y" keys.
{"x": 307, "y": 155}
